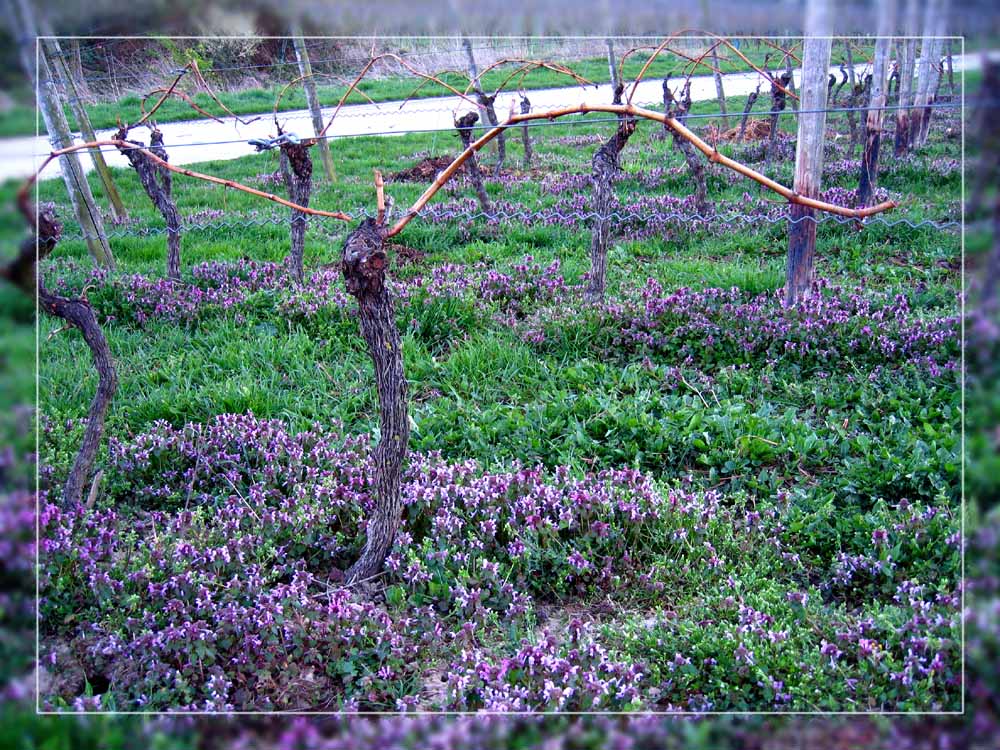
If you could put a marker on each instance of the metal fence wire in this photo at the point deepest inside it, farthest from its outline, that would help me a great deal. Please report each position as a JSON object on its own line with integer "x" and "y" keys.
{"x": 644, "y": 218}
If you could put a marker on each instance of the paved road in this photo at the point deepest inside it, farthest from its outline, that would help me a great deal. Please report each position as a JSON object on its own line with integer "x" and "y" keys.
{"x": 193, "y": 141}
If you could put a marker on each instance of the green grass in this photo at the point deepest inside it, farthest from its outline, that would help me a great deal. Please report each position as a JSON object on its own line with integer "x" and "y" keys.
{"x": 842, "y": 449}
{"x": 751, "y": 258}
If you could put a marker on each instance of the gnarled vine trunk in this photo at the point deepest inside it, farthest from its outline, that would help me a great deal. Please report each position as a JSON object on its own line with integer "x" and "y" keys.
{"x": 778, "y": 100}
{"x": 464, "y": 126}
{"x": 840, "y": 84}
{"x": 528, "y": 155}
{"x": 694, "y": 164}
{"x": 297, "y": 169}
{"x": 364, "y": 263}
{"x": 751, "y": 100}
{"x": 77, "y": 312}
{"x": 157, "y": 183}
{"x": 604, "y": 167}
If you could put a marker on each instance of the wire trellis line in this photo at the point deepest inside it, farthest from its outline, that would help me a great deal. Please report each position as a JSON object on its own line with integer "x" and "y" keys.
{"x": 568, "y": 121}
{"x": 654, "y": 105}
{"x": 345, "y": 61}
{"x": 533, "y": 216}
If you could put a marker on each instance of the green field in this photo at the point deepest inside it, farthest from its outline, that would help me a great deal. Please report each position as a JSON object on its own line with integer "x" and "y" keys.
{"x": 656, "y": 490}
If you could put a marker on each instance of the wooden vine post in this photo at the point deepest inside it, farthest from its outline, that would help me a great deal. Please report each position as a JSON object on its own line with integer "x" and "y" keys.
{"x": 808, "y": 151}
{"x": 88, "y": 213}
{"x": 873, "y": 120}
{"x": 312, "y": 99}
{"x": 85, "y": 208}
{"x": 853, "y": 99}
{"x": 950, "y": 67}
{"x": 791, "y": 80}
{"x": 937, "y": 25}
{"x": 612, "y": 65}
{"x": 849, "y": 60}
{"x": 930, "y": 48}
{"x": 297, "y": 169}
{"x": 76, "y": 63}
{"x": 908, "y": 53}
{"x": 719, "y": 91}
{"x": 364, "y": 264}
{"x": 55, "y": 57}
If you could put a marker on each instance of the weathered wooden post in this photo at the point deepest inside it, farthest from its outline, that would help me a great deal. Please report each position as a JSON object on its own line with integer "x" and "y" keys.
{"x": 791, "y": 80}
{"x": 938, "y": 27}
{"x": 809, "y": 150}
{"x": 54, "y": 54}
{"x": 873, "y": 121}
{"x": 893, "y": 92}
{"x": 930, "y": 51}
{"x": 312, "y": 99}
{"x": 849, "y": 61}
{"x": 949, "y": 64}
{"x": 719, "y": 91}
{"x": 85, "y": 208}
{"x": 853, "y": 98}
{"x": 612, "y": 65}
{"x": 77, "y": 67}
{"x": 908, "y": 53}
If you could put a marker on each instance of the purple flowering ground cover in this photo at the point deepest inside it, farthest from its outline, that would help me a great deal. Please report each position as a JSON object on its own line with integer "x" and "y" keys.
{"x": 685, "y": 498}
